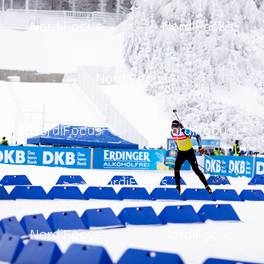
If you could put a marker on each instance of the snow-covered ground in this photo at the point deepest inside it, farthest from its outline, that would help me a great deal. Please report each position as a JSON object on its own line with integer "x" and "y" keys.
{"x": 193, "y": 242}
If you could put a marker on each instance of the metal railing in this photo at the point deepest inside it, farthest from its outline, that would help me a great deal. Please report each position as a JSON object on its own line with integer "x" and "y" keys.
{"x": 24, "y": 18}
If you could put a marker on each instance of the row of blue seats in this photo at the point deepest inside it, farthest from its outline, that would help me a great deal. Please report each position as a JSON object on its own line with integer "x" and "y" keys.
{"x": 15, "y": 250}
{"x": 77, "y": 179}
{"x": 106, "y": 218}
{"x": 139, "y": 193}
{"x": 23, "y": 180}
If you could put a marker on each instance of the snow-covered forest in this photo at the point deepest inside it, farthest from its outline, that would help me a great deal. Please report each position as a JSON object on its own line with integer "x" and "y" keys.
{"x": 206, "y": 59}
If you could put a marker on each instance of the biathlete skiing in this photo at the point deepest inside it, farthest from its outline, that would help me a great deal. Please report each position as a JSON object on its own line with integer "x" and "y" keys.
{"x": 182, "y": 137}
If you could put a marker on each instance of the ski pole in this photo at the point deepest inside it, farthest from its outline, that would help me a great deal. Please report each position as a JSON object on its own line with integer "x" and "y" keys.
{"x": 175, "y": 112}
{"x": 205, "y": 170}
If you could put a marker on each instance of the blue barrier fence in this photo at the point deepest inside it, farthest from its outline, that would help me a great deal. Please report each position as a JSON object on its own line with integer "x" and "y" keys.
{"x": 234, "y": 166}
{"x": 85, "y": 158}
{"x": 123, "y": 159}
{"x": 77, "y": 158}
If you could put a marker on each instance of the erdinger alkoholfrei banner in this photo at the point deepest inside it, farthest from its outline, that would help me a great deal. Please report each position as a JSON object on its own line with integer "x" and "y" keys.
{"x": 131, "y": 159}
{"x": 77, "y": 158}
{"x": 229, "y": 166}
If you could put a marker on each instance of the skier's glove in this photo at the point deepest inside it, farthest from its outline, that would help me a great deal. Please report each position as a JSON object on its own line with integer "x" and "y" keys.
{"x": 201, "y": 150}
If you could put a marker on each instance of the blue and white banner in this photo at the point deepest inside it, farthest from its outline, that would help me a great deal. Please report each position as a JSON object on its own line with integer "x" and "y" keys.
{"x": 129, "y": 159}
{"x": 78, "y": 158}
{"x": 229, "y": 166}
{"x": 259, "y": 168}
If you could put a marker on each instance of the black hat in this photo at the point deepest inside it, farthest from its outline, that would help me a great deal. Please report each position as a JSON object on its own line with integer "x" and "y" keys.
{"x": 175, "y": 124}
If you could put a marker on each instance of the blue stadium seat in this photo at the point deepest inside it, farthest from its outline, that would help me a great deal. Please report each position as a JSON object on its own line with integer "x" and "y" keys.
{"x": 35, "y": 223}
{"x": 65, "y": 221}
{"x": 70, "y": 179}
{"x": 165, "y": 194}
{"x": 169, "y": 180}
{"x": 197, "y": 194}
{"x": 4, "y": 194}
{"x": 10, "y": 247}
{"x": 218, "y": 180}
{"x": 138, "y": 193}
{"x": 104, "y": 217}
{"x": 15, "y": 180}
{"x": 104, "y": 193}
{"x": 225, "y": 195}
{"x": 65, "y": 192}
{"x": 139, "y": 216}
{"x": 225, "y": 261}
{"x": 83, "y": 254}
{"x": 132, "y": 256}
{"x": 218, "y": 212}
{"x": 12, "y": 226}
{"x": 41, "y": 252}
{"x": 28, "y": 192}
{"x": 257, "y": 180}
{"x": 252, "y": 195}
{"x": 179, "y": 214}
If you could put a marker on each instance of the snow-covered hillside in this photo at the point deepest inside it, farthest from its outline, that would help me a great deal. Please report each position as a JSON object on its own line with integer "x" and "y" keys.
{"x": 58, "y": 48}
{"x": 205, "y": 58}
{"x": 64, "y": 50}
{"x": 29, "y": 109}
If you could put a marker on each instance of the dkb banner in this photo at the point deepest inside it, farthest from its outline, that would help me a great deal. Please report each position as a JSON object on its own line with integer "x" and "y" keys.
{"x": 78, "y": 158}
{"x": 229, "y": 166}
{"x": 259, "y": 169}
{"x": 130, "y": 159}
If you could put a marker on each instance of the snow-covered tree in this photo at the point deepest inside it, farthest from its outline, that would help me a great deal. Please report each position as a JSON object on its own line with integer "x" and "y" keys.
{"x": 189, "y": 51}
